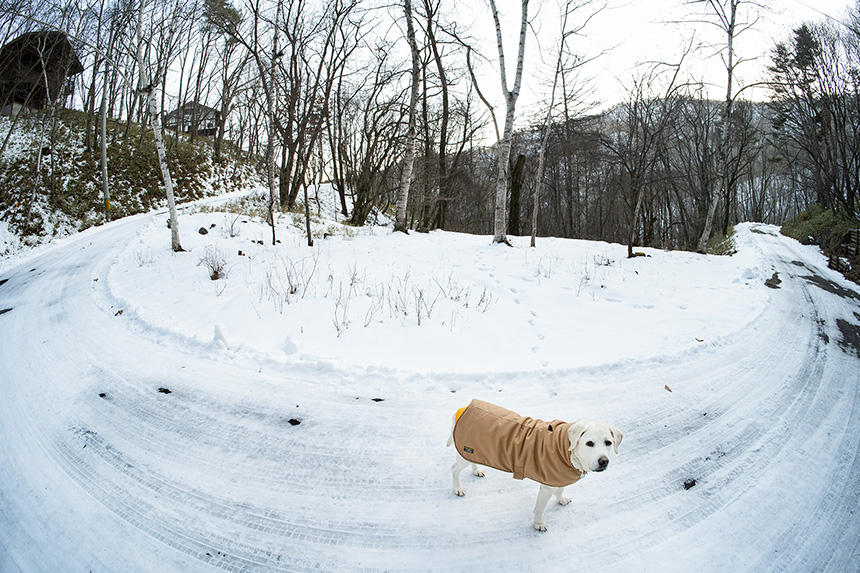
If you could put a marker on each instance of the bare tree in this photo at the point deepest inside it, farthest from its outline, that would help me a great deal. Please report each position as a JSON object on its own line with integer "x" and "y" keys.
{"x": 724, "y": 15}
{"x": 569, "y": 8}
{"x": 431, "y": 10}
{"x": 411, "y": 134}
{"x": 636, "y": 144}
{"x": 271, "y": 102}
{"x": 319, "y": 46}
{"x": 147, "y": 87}
{"x": 225, "y": 19}
{"x": 364, "y": 133}
{"x": 504, "y": 145}
{"x": 103, "y": 116}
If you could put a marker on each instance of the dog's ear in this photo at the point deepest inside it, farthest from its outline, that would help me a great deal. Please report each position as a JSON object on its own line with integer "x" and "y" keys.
{"x": 575, "y": 433}
{"x": 617, "y": 436}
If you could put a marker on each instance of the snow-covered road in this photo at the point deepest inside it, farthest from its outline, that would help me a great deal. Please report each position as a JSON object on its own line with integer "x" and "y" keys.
{"x": 101, "y": 469}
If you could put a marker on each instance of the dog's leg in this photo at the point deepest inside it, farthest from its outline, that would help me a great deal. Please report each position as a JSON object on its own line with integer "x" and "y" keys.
{"x": 477, "y": 471}
{"x": 559, "y": 496}
{"x": 458, "y": 466}
{"x": 543, "y": 497}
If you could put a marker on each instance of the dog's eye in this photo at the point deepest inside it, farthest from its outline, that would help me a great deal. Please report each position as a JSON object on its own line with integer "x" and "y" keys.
{"x": 608, "y": 443}
{"x": 590, "y": 444}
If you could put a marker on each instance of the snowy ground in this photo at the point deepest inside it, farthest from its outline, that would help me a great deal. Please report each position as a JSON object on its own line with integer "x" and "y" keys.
{"x": 102, "y": 471}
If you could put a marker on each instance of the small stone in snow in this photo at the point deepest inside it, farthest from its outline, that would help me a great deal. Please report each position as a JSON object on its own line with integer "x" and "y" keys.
{"x": 773, "y": 281}
{"x": 165, "y": 390}
{"x": 377, "y": 399}
{"x": 203, "y": 231}
{"x": 294, "y": 422}
{"x": 689, "y": 483}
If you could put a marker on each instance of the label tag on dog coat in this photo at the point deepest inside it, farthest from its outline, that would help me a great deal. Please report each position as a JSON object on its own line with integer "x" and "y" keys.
{"x": 468, "y": 450}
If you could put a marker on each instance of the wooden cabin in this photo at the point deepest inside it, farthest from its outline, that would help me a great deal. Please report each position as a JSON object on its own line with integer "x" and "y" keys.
{"x": 203, "y": 120}
{"x": 35, "y": 69}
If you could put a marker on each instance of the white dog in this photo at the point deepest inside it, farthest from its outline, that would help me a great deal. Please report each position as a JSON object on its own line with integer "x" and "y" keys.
{"x": 554, "y": 454}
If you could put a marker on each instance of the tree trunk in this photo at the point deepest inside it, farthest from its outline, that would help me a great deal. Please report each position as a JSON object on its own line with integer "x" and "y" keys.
{"x": 516, "y": 192}
{"x": 308, "y": 216}
{"x": 103, "y": 138}
{"x": 272, "y": 96}
{"x": 90, "y": 106}
{"x": 412, "y": 135}
{"x": 504, "y": 146}
{"x": 426, "y": 202}
{"x": 37, "y": 175}
{"x": 634, "y": 224}
{"x": 724, "y": 135}
{"x": 148, "y": 89}
{"x": 442, "y": 201}
{"x": 91, "y": 96}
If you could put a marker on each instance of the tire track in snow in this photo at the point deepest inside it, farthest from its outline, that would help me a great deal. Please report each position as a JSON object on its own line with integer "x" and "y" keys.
{"x": 803, "y": 404}
{"x": 201, "y": 429}
{"x": 833, "y": 512}
{"x": 344, "y": 504}
{"x": 738, "y": 452}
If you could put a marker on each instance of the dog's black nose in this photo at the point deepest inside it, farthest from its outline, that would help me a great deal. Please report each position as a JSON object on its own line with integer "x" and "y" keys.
{"x": 603, "y": 461}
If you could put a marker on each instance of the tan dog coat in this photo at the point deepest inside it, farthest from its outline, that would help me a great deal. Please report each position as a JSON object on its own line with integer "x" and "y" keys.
{"x": 493, "y": 436}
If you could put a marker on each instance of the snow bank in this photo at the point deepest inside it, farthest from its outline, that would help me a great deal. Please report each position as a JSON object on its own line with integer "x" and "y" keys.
{"x": 429, "y": 303}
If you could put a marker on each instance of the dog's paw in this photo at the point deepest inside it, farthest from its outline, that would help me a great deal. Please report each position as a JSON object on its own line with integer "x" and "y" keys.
{"x": 563, "y": 500}
{"x": 478, "y": 473}
{"x": 460, "y": 492}
{"x": 540, "y": 525}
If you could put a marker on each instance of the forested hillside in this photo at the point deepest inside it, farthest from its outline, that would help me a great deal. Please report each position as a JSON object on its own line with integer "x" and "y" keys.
{"x": 51, "y": 180}
{"x": 327, "y": 91}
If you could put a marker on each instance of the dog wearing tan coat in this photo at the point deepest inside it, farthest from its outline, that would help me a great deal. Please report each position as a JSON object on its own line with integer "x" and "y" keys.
{"x": 555, "y": 454}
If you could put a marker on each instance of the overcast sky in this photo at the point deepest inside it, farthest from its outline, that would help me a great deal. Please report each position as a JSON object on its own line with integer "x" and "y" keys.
{"x": 634, "y": 31}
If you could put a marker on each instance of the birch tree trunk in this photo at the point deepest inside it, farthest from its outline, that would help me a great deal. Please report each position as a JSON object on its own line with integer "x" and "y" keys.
{"x": 148, "y": 89}
{"x": 504, "y": 146}
{"x": 272, "y": 96}
{"x": 412, "y": 133}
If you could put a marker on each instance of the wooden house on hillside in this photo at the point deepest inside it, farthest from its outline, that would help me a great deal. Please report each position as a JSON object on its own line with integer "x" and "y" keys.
{"x": 193, "y": 116}
{"x": 35, "y": 69}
